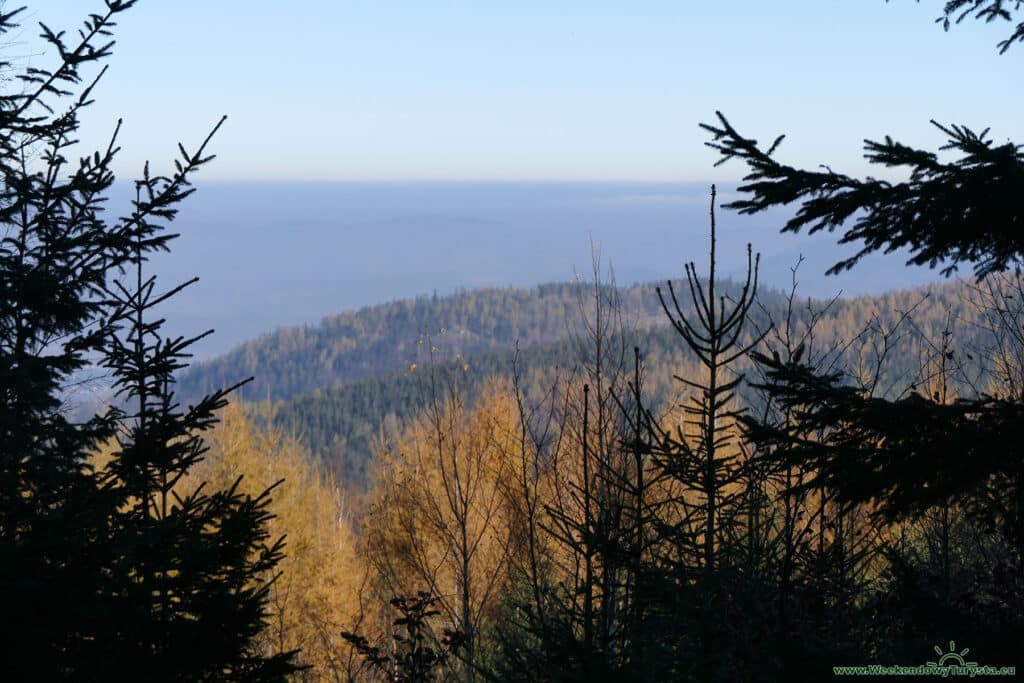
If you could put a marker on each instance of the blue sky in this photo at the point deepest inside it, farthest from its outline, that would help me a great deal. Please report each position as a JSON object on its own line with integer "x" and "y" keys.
{"x": 430, "y": 90}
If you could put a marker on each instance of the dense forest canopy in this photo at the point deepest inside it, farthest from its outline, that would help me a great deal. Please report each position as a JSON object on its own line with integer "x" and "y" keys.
{"x": 342, "y": 403}
{"x": 382, "y": 339}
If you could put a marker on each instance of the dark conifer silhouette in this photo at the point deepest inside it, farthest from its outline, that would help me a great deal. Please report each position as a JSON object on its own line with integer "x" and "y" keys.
{"x": 113, "y": 573}
{"x": 988, "y": 11}
{"x": 55, "y": 257}
{"x": 945, "y": 214}
{"x": 907, "y": 457}
{"x": 197, "y": 565}
{"x": 702, "y": 458}
{"x": 964, "y": 211}
{"x": 708, "y": 463}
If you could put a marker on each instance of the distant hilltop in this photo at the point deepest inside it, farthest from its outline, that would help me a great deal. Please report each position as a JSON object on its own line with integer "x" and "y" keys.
{"x": 335, "y": 384}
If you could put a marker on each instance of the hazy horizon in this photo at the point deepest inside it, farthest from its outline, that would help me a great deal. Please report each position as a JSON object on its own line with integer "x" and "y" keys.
{"x": 368, "y": 96}
{"x": 272, "y": 255}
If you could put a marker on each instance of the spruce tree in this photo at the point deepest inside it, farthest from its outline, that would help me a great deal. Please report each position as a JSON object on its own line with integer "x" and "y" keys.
{"x": 913, "y": 453}
{"x": 109, "y": 573}
{"x": 906, "y": 457}
{"x": 194, "y": 567}
{"x": 708, "y": 463}
{"x": 703, "y": 461}
{"x": 55, "y": 256}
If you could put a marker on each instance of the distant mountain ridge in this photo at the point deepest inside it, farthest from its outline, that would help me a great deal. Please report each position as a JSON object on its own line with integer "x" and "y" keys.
{"x": 375, "y": 340}
{"x": 344, "y": 383}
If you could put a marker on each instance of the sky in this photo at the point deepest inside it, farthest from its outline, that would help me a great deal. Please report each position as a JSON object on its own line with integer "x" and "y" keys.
{"x": 330, "y": 90}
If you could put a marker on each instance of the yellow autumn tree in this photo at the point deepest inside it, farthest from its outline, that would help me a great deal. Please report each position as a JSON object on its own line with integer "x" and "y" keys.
{"x": 439, "y": 520}
{"x": 314, "y": 597}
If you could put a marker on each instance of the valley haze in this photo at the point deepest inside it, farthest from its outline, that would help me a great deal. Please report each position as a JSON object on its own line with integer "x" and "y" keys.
{"x": 273, "y": 255}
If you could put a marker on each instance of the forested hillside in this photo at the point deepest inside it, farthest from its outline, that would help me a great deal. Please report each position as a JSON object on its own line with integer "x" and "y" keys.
{"x": 379, "y": 339}
{"x": 343, "y": 398}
